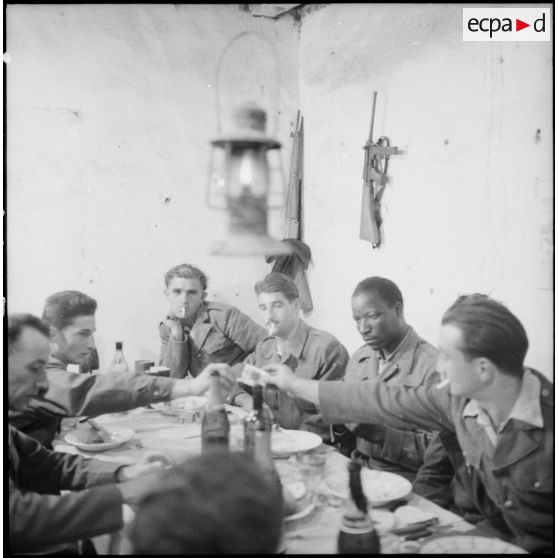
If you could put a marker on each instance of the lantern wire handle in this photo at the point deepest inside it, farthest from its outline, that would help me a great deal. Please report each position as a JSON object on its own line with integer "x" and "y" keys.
{"x": 277, "y": 76}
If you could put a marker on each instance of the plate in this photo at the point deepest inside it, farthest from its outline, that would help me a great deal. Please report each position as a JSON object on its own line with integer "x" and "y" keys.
{"x": 383, "y": 520}
{"x": 470, "y": 545}
{"x": 302, "y": 513}
{"x": 176, "y": 406}
{"x": 285, "y": 443}
{"x": 118, "y": 436}
{"x": 381, "y": 488}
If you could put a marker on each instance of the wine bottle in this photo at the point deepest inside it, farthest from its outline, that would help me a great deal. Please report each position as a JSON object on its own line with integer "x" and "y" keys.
{"x": 257, "y": 444}
{"x": 259, "y": 418}
{"x": 118, "y": 363}
{"x": 215, "y": 426}
{"x": 357, "y": 534}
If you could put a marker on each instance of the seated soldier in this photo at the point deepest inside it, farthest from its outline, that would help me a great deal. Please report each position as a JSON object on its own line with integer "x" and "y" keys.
{"x": 502, "y": 416}
{"x": 70, "y": 316}
{"x": 310, "y": 352}
{"x": 393, "y": 353}
{"x": 199, "y": 510}
{"x": 197, "y": 332}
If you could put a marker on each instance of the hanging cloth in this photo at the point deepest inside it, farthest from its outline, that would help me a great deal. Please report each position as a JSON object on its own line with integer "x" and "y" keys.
{"x": 295, "y": 265}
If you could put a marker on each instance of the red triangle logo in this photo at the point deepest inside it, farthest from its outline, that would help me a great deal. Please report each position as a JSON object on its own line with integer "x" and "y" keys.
{"x": 519, "y": 25}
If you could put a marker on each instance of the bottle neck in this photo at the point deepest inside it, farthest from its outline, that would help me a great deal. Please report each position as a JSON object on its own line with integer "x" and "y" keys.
{"x": 257, "y": 398}
{"x": 214, "y": 397}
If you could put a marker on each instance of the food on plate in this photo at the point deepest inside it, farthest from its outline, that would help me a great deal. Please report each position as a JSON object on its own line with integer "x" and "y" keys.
{"x": 407, "y": 515}
{"x": 89, "y": 435}
{"x": 379, "y": 486}
{"x": 252, "y": 374}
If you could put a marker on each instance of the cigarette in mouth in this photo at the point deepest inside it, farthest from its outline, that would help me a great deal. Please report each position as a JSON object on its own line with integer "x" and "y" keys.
{"x": 442, "y": 384}
{"x": 270, "y": 328}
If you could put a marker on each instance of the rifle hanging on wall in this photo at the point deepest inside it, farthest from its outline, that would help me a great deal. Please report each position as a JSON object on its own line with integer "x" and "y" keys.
{"x": 375, "y": 178}
{"x": 296, "y": 263}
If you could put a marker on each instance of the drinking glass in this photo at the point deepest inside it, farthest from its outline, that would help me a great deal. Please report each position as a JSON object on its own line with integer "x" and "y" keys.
{"x": 311, "y": 465}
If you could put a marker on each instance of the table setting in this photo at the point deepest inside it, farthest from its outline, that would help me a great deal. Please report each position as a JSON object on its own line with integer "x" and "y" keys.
{"x": 314, "y": 474}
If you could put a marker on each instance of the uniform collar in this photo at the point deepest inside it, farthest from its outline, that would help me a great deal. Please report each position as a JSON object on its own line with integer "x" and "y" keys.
{"x": 58, "y": 361}
{"x": 527, "y": 408}
{"x": 296, "y": 343}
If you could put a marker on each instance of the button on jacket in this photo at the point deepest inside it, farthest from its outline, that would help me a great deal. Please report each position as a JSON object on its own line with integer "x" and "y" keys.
{"x": 221, "y": 333}
{"x": 316, "y": 355}
{"x": 516, "y": 474}
{"x": 411, "y": 364}
{"x": 72, "y": 394}
{"x": 39, "y": 520}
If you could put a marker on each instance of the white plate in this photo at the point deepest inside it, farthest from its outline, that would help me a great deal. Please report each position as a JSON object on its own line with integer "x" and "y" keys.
{"x": 383, "y": 520}
{"x": 285, "y": 443}
{"x": 174, "y": 407}
{"x": 381, "y": 488}
{"x": 470, "y": 545}
{"x": 302, "y": 513}
{"x": 118, "y": 436}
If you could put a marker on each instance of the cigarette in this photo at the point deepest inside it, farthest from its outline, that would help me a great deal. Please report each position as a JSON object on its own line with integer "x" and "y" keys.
{"x": 270, "y": 328}
{"x": 442, "y": 384}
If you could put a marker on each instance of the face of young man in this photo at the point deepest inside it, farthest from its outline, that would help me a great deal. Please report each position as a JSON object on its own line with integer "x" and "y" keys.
{"x": 185, "y": 297}
{"x": 463, "y": 374}
{"x": 278, "y": 311}
{"x": 74, "y": 342}
{"x": 26, "y": 368}
{"x": 379, "y": 324}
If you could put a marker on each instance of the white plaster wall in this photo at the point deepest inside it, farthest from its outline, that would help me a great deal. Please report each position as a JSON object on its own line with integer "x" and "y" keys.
{"x": 465, "y": 210}
{"x": 110, "y": 109}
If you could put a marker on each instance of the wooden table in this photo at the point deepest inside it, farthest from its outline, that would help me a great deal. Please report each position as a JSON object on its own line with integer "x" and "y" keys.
{"x": 315, "y": 533}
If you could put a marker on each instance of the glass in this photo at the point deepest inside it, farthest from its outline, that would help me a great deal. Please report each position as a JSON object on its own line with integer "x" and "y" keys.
{"x": 311, "y": 465}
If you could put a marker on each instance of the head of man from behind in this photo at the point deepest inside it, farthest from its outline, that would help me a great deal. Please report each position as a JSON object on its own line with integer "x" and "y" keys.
{"x": 279, "y": 303}
{"x": 70, "y": 316}
{"x": 377, "y": 305}
{"x": 481, "y": 344}
{"x": 28, "y": 350}
{"x": 185, "y": 289}
{"x": 216, "y": 503}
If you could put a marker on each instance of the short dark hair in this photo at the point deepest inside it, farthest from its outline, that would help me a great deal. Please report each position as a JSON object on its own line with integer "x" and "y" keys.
{"x": 277, "y": 283}
{"x": 18, "y": 322}
{"x": 187, "y": 271}
{"x": 63, "y": 307}
{"x": 215, "y": 503}
{"x": 489, "y": 330}
{"x": 386, "y": 289}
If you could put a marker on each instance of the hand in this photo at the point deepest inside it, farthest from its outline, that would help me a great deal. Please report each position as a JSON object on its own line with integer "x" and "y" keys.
{"x": 176, "y": 328}
{"x": 281, "y": 376}
{"x": 151, "y": 462}
{"x": 200, "y": 384}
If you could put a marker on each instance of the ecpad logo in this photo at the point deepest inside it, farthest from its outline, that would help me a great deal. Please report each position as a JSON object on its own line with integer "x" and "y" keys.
{"x": 506, "y": 24}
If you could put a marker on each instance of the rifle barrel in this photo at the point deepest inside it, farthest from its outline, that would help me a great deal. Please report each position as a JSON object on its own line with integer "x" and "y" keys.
{"x": 373, "y": 112}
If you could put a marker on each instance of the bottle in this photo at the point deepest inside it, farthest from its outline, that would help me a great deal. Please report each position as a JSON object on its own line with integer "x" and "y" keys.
{"x": 118, "y": 363}
{"x": 215, "y": 426}
{"x": 259, "y": 418}
{"x": 357, "y": 534}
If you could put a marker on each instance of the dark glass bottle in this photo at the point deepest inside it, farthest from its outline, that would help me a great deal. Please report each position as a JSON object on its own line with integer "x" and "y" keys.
{"x": 259, "y": 418}
{"x": 257, "y": 443}
{"x": 118, "y": 363}
{"x": 357, "y": 534}
{"x": 215, "y": 426}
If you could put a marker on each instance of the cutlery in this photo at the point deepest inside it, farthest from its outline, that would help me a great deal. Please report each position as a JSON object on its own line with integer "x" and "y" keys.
{"x": 105, "y": 433}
